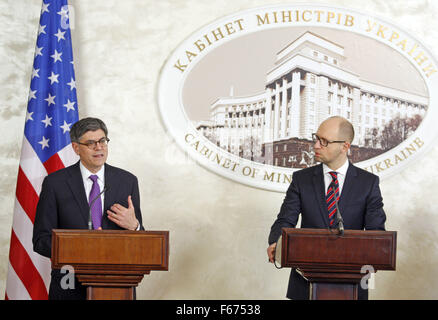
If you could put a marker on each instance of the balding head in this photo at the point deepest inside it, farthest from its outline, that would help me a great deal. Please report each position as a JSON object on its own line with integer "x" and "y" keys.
{"x": 334, "y": 141}
{"x": 345, "y": 128}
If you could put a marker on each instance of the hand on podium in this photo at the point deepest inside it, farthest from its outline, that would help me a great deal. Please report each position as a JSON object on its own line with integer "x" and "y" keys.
{"x": 271, "y": 252}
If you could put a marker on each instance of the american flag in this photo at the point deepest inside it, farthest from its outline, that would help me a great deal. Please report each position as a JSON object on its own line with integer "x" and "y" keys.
{"x": 51, "y": 110}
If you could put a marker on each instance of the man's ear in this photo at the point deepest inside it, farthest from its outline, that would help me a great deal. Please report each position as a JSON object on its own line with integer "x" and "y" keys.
{"x": 75, "y": 147}
{"x": 346, "y": 147}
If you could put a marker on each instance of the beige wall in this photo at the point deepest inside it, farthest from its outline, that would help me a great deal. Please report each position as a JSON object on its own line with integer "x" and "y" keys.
{"x": 218, "y": 228}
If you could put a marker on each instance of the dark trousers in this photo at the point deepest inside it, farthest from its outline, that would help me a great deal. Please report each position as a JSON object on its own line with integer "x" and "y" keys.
{"x": 59, "y": 291}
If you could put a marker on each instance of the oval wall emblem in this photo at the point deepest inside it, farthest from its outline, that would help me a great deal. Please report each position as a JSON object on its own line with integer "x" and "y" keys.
{"x": 243, "y": 95}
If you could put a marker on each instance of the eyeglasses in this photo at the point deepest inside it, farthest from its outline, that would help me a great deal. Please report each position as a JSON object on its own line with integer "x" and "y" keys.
{"x": 91, "y": 144}
{"x": 323, "y": 142}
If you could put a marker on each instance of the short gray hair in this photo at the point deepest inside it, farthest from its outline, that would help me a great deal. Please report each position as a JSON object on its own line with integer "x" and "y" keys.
{"x": 84, "y": 125}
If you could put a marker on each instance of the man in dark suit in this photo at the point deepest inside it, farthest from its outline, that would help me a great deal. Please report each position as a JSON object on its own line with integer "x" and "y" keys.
{"x": 360, "y": 200}
{"x": 66, "y": 196}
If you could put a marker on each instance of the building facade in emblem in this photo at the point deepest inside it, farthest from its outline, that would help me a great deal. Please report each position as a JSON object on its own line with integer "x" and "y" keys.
{"x": 307, "y": 84}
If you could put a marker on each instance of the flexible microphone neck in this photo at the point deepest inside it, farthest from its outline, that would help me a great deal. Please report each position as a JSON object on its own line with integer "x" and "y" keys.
{"x": 90, "y": 223}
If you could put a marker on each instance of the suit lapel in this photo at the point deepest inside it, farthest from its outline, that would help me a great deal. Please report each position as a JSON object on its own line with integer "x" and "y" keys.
{"x": 346, "y": 189}
{"x": 77, "y": 188}
{"x": 318, "y": 185}
{"x": 112, "y": 186}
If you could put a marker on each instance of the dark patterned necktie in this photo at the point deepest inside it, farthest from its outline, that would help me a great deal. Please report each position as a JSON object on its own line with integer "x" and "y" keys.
{"x": 96, "y": 209}
{"x": 330, "y": 197}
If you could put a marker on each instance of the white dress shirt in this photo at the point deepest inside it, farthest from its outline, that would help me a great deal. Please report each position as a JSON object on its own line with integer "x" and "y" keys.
{"x": 88, "y": 183}
{"x": 342, "y": 171}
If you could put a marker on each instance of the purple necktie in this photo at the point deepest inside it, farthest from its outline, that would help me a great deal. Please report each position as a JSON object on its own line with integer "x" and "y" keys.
{"x": 96, "y": 210}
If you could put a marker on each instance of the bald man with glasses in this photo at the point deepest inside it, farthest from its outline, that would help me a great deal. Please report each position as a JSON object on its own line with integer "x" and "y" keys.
{"x": 311, "y": 195}
{"x": 89, "y": 188}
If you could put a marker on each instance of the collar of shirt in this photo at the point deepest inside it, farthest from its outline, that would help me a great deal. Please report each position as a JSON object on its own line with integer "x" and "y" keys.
{"x": 88, "y": 183}
{"x": 342, "y": 172}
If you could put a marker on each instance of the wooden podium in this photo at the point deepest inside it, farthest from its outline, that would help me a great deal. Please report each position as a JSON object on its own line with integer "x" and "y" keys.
{"x": 110, "y": 262}
{"x": 333, "y": 263}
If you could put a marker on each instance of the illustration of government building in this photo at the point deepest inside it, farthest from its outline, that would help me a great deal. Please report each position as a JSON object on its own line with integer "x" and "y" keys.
{"x": 307, "y": 85}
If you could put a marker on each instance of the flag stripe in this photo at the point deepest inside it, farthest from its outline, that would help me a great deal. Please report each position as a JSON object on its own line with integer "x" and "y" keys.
{"x": 23, "y": 229}
{"x": 17, "y": 292}
{"x": 26, "y": 195}
{"x": 67, "y": 155}
{"x": 32, "y": 166}
{"x": 53, "y": 164}
{"x": 26, "y": 271}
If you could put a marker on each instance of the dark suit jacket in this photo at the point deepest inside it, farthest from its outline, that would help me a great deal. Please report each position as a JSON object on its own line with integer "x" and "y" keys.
{"x": 63, "y": 205}
{"x": 360, "y": 204}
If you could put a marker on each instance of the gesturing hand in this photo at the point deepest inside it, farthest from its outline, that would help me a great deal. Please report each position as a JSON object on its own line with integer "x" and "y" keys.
{"x": 123, "y": 217}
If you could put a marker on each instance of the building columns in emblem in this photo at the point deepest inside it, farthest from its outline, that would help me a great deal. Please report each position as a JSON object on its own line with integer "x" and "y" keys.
{"x": 355, "y": 112}
{"x": 267, "y": 134}
{"x": 295, "y": 115}
{"x": 276, "y": 110}
{"x": 283, "y": 119}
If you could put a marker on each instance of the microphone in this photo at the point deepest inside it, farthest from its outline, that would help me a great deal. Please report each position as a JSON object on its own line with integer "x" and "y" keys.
{"x": 338, "y": 214}
{"x": 90, "y": 223}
